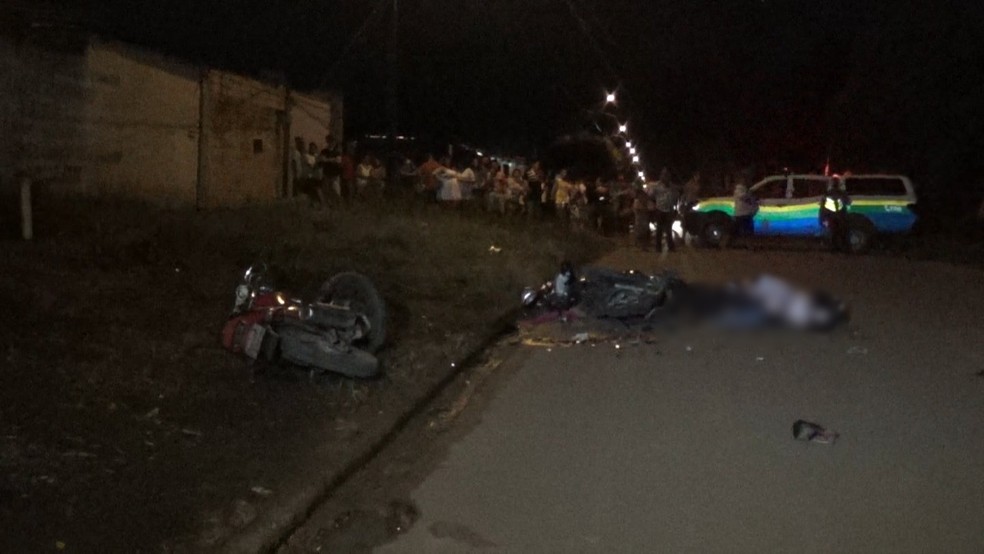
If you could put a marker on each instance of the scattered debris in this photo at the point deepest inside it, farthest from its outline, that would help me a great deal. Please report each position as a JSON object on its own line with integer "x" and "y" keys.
{"x": 495, "y": 249}
{"x": 760, "y": 358}
{"x": 261, "y": 491}
{"x": 812, "y": 432}
{"x": 152, "y": 414}
{"x": 580, "y": 337}
{"x": 857, "y": 350}
{"x": 191, "y": 433}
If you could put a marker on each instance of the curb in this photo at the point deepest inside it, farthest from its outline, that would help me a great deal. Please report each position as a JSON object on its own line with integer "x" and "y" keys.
{"x": 274, "y": 527}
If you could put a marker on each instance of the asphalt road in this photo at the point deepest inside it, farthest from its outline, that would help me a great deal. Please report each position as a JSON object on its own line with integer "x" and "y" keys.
{"x": 685, "y": 445}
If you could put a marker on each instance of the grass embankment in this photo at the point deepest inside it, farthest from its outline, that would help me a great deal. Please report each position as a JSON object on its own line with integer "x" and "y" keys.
{"x": 123, "y": 423}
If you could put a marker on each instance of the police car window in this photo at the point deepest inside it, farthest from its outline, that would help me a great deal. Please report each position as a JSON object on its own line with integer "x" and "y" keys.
{"x": 772, "y": 190}
{"x": 873, "y": 186}
{"x": 809, "y": 188}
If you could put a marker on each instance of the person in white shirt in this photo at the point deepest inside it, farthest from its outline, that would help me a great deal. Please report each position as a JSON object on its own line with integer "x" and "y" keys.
{"x": 363, "y": 174}
{"x": 466, "y": 178}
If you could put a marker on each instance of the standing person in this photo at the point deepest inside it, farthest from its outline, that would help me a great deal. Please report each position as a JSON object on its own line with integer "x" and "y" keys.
{"x": 603, "y": 206}
{"x": 298, "y": 167}
{"x": 409, "y": 176}
{"x": 480, "y": 167}
{"x": 428, "y": 181}
{"x": 499, "y": 193}
{"x": 689, "y": 199}
{"x": 312, "y": 185}
{"x": 450, "y": 187}
{"x": 377, "y": 176}
{"x": 331, "y": 165}
{"x": 517, "y": 190}
{"x": 563, "y": 192}
{"x": 746, "y": 206}
{"x": 833, "y": 216}
{"x": 534, "y": 194}
{"x": 466, "y": 177}
{"x": 363, "y": 175}
{"x": 347, "y": 181}
{"x": 640, "y": 211}
{"x": 665, "y": 202}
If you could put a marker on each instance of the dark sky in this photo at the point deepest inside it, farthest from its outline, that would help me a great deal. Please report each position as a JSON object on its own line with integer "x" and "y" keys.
{"x": 878, "y": 84}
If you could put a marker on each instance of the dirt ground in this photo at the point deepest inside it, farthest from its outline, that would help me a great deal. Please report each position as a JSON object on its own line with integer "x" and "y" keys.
{"x": 124, "y": 427}
{"x": 901, "y": 381}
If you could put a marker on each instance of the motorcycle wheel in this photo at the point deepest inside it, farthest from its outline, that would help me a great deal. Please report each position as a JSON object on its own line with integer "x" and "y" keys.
{"x": 357, "y": 292}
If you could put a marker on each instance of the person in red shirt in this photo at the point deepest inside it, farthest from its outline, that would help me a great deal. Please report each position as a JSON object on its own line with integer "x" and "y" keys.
{"x": 348, "y": 174}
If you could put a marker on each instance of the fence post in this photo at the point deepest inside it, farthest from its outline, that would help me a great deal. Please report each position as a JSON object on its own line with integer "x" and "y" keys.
{"x": 27, "y": 222}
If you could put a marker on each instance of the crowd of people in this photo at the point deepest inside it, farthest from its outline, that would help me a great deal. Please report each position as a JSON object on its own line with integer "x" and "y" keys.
{"x": 513, "y": 189}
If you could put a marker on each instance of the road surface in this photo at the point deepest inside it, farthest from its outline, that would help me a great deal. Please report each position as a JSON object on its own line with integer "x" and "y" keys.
{"x": 685, "y": 445}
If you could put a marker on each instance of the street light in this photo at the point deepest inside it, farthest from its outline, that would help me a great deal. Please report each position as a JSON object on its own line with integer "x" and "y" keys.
{"x": 609, "y": 98}
{"x": 623, "y": 127}
{"x": 635, "y": 159}
{"x": 632, "y": 150}
{"x": 642, "y": 175}
{"x": 628, "y": 144}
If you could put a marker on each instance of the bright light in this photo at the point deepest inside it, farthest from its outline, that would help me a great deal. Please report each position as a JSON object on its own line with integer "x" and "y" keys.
{"x": 623, "y": 127}
{"x": 628, "y": 144}
{"x": 479, "y": 153}
{"x": 632, "y": 150}
{"x": 635, "y": 159}
{"x": 610, "y": 98}
{"x": 642, "y": 175}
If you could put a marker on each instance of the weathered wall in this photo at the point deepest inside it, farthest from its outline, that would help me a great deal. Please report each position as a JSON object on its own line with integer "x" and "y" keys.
{"x": 41, "y": 106}
{"x": 102, "y": 118}
{"x": 245, "y": 128}
{"x": 141, "y": 124}
{"x": 310, "y": 118}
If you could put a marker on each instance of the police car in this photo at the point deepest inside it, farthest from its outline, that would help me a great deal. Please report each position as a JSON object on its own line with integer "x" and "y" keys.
{"x": 789, "y": 205}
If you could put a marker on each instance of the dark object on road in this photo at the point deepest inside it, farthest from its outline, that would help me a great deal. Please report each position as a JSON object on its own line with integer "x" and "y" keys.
{"x": 633, "y": 297}
{"x": 604, "y": 293}
{"x": 807, "y": 431}
{"x": 338, "y": 332}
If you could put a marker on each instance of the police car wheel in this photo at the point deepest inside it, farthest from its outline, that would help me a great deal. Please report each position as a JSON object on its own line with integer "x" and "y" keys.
{"x": 715, "y": 233}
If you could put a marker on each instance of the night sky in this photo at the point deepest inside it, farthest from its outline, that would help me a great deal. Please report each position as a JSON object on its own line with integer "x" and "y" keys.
{"x": 877, "y": 85}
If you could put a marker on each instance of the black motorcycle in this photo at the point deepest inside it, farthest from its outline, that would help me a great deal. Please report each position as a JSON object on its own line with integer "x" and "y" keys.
{"x": 605, "y": 293}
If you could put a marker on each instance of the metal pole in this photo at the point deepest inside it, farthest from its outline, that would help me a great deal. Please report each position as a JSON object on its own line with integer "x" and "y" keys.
{"x": 27, "y": 219}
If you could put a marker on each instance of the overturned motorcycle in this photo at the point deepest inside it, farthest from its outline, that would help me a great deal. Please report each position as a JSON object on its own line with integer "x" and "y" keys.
{"x": 339, "y": 331}
{"x": 605, "y": 293}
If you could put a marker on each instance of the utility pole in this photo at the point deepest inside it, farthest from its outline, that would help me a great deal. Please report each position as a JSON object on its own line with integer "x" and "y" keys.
{"x": 392, "y": 102}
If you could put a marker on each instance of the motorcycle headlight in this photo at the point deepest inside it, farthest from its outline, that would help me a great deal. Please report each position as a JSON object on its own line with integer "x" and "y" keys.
{"x": 529, "y": 296}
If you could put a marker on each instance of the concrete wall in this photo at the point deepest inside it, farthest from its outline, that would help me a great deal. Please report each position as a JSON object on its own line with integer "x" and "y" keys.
{"x": 141, "y": 123}
{"x": 245, "y": 122}
{"x": 102, "y": 118}
{"x": 42, "y": 100}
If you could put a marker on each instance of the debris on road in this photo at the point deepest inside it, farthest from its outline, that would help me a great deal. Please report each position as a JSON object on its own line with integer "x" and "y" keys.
{"x": 857, "y": 350}
{"x": 812, "y": 432}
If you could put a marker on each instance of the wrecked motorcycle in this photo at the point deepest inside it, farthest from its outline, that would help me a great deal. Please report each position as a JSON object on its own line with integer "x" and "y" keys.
{"x": 763, "y": 302}
{"x": 605, "y": 293}
{"x": 338, "y": 332}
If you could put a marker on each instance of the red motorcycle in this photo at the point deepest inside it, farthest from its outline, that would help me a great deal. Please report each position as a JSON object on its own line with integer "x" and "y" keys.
{"x": 339, "y": 332}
